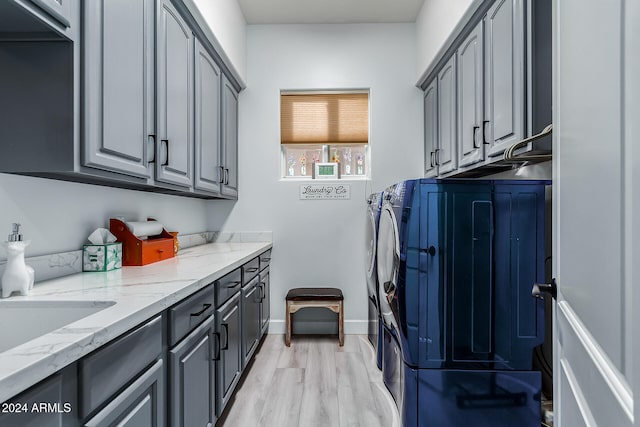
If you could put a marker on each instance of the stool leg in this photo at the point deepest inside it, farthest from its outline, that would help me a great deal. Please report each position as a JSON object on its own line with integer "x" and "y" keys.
{"x": 341, "y": 325}
{"x": 287, "y": 336}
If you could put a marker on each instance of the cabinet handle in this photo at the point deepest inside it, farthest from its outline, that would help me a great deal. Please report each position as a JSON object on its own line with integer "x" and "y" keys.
{"x": 165, "y": 142}
{"x": 265, "y": 259}
{"x": 151, "y": 148}
{"x": 431, "y": 159}
{"x": 216, "y": 351}
{"x": 235, "y": 284}
{"x": 221, "y": 178}
{"x": 263, "y": 293}
{"x": 205, "y": 307}
{"x": 226, "y": 176}
{"x": 252, "y": 270}
{"x": 484, "y": 133}
{"x": 226, "y": 337}
{"x": 475, "y": 130}
{"x": 436, "y": 156}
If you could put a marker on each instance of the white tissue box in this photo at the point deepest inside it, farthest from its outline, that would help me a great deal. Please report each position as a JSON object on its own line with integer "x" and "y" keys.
{"x": 105, "y": 257}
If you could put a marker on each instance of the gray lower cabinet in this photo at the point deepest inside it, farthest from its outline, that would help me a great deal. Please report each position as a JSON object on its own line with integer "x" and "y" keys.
{"x": 141, "y": 404}
{"x": 192, "y": 379}
{"x": 504, "y": 75}
{"x": 251, "y": 322}
{"x": 265, "y": 306}
{"x": 208, "y": 176}
{"x": 174, "y": 95}
{"x": 446, "y": 153}
{"x": 119, "y": 92}
{"x": 229, "y": 363}
{"x": 124, "y": 381}
{"x": 470, "y": 99}
{"x": 53, "y": 402}
{"x": 229, "y": 165}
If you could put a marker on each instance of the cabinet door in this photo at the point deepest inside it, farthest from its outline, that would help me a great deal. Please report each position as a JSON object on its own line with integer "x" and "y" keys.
{"x": 251, "y": 301}
{"x": 55, "y": 401}
{"x": 229, "y": 139}
{"x": 470, "y": 86}
{"x": 139, "y": 405}
{"x": 207, "y": 122}
{"x": 445, "y": 156}
{"x": 229, "y": 364}
{"x": 192, "y": 379}
{"x": 265, "y": 307}
{"x": 174, "y": 148}
{"x": 504, "y": 75}
{"x": 119, "y": 85}
{"x": 430, "y": 129}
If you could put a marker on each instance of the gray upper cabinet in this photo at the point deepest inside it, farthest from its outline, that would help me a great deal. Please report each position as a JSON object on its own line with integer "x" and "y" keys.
{"x": 445, "y": 154}
{"x": 470, "y": 100}
{"x": 118, "y": 52}
{"x": 174, "y": 146}
{"x": 504, "y": 75}
{"x": 229, "y": 139}
{"x": 207, "y": 122}
{"x": 430, "y": 129}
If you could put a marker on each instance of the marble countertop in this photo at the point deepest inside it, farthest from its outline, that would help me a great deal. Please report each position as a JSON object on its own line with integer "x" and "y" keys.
{"x": 139, "y": 293}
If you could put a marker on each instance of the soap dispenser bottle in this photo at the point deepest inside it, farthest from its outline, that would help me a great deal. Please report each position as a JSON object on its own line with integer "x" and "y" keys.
{"x": 17, "y": 276}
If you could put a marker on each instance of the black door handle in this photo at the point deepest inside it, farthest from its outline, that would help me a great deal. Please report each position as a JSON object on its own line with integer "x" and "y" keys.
{"x": 475, "y": 130}
{"x": 226, "y": 337}
{"x": 539, "y": 289}
{"x": 205, "y": 307}
{"x": 431, "y": 250}
{"x": 216, "y": 352}
{"x": 484, "y": 139}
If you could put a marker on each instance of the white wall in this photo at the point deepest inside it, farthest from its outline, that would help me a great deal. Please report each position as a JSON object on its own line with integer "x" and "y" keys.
{"x": 434, "y": 24}
{"x": 322, "y": 242}
{"x": 227, "y": 22}
{"x": 58, "y": 216}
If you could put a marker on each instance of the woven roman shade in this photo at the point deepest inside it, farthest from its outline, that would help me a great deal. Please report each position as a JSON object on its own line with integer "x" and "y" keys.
{"x": 340, "y": 118}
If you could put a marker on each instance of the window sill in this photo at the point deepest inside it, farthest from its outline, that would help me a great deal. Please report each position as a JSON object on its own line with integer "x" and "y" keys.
{"x": 320, "y": 181}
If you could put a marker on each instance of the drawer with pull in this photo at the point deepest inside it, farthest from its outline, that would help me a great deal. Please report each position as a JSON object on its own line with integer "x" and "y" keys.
{"x": 190, "y": 312}
{"x": 250, "y": 270}
{"x": 227, "y": 286}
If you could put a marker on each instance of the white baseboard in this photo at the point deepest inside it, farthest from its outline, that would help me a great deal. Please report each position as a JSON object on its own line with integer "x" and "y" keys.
{"x": 351, "y": 327}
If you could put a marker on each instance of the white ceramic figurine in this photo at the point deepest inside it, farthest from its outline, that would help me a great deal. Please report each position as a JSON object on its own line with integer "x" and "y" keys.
{"x": 18, "y": 276}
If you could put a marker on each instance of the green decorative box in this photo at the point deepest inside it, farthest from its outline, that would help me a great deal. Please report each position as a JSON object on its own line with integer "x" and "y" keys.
{"x": 105, "y": 257}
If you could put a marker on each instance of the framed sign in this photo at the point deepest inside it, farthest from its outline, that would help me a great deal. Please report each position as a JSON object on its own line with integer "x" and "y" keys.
{"x": 325, "y": 191}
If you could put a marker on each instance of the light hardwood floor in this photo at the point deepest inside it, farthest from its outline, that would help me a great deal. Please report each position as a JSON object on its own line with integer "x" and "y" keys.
{"x": 312, "y": 383}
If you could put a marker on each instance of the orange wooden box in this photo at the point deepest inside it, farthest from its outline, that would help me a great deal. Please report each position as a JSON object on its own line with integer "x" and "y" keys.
{"x": 136, "y": 251}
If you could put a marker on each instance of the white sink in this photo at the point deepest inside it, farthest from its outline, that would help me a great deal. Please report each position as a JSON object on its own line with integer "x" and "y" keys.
{"x": 22, "y": 321}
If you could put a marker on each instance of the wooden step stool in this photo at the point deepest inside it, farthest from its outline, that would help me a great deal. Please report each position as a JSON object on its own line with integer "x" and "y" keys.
{"x": 330, "y": 298}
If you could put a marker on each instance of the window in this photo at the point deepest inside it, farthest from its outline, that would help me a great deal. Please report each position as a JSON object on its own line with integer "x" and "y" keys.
{"x": 324, "y": 127}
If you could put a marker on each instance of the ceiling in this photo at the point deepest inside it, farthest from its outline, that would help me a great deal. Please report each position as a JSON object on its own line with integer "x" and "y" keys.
{"x": 329, "y": 11}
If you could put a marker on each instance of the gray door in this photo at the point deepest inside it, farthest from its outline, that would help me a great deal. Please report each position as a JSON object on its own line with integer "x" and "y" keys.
{"x": 192, "y": 379}
{"x": 250, "y": 318}
{"x": 430, "y": 129}
{"x": 174, "y": 148}
{"x": 119, "y": 88}
{"x": 446, "y": 157}
{"x": 229, "y": 139}
{"x": 207, "y": 122}
{"x": 265, "y": 306}
{"x": 139, "y": 405}
{"x": 470, "y": 87}
{"x": 504, "y": 75}
{"x": 595, "y": 212}
{"x": 229, "y": 366}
